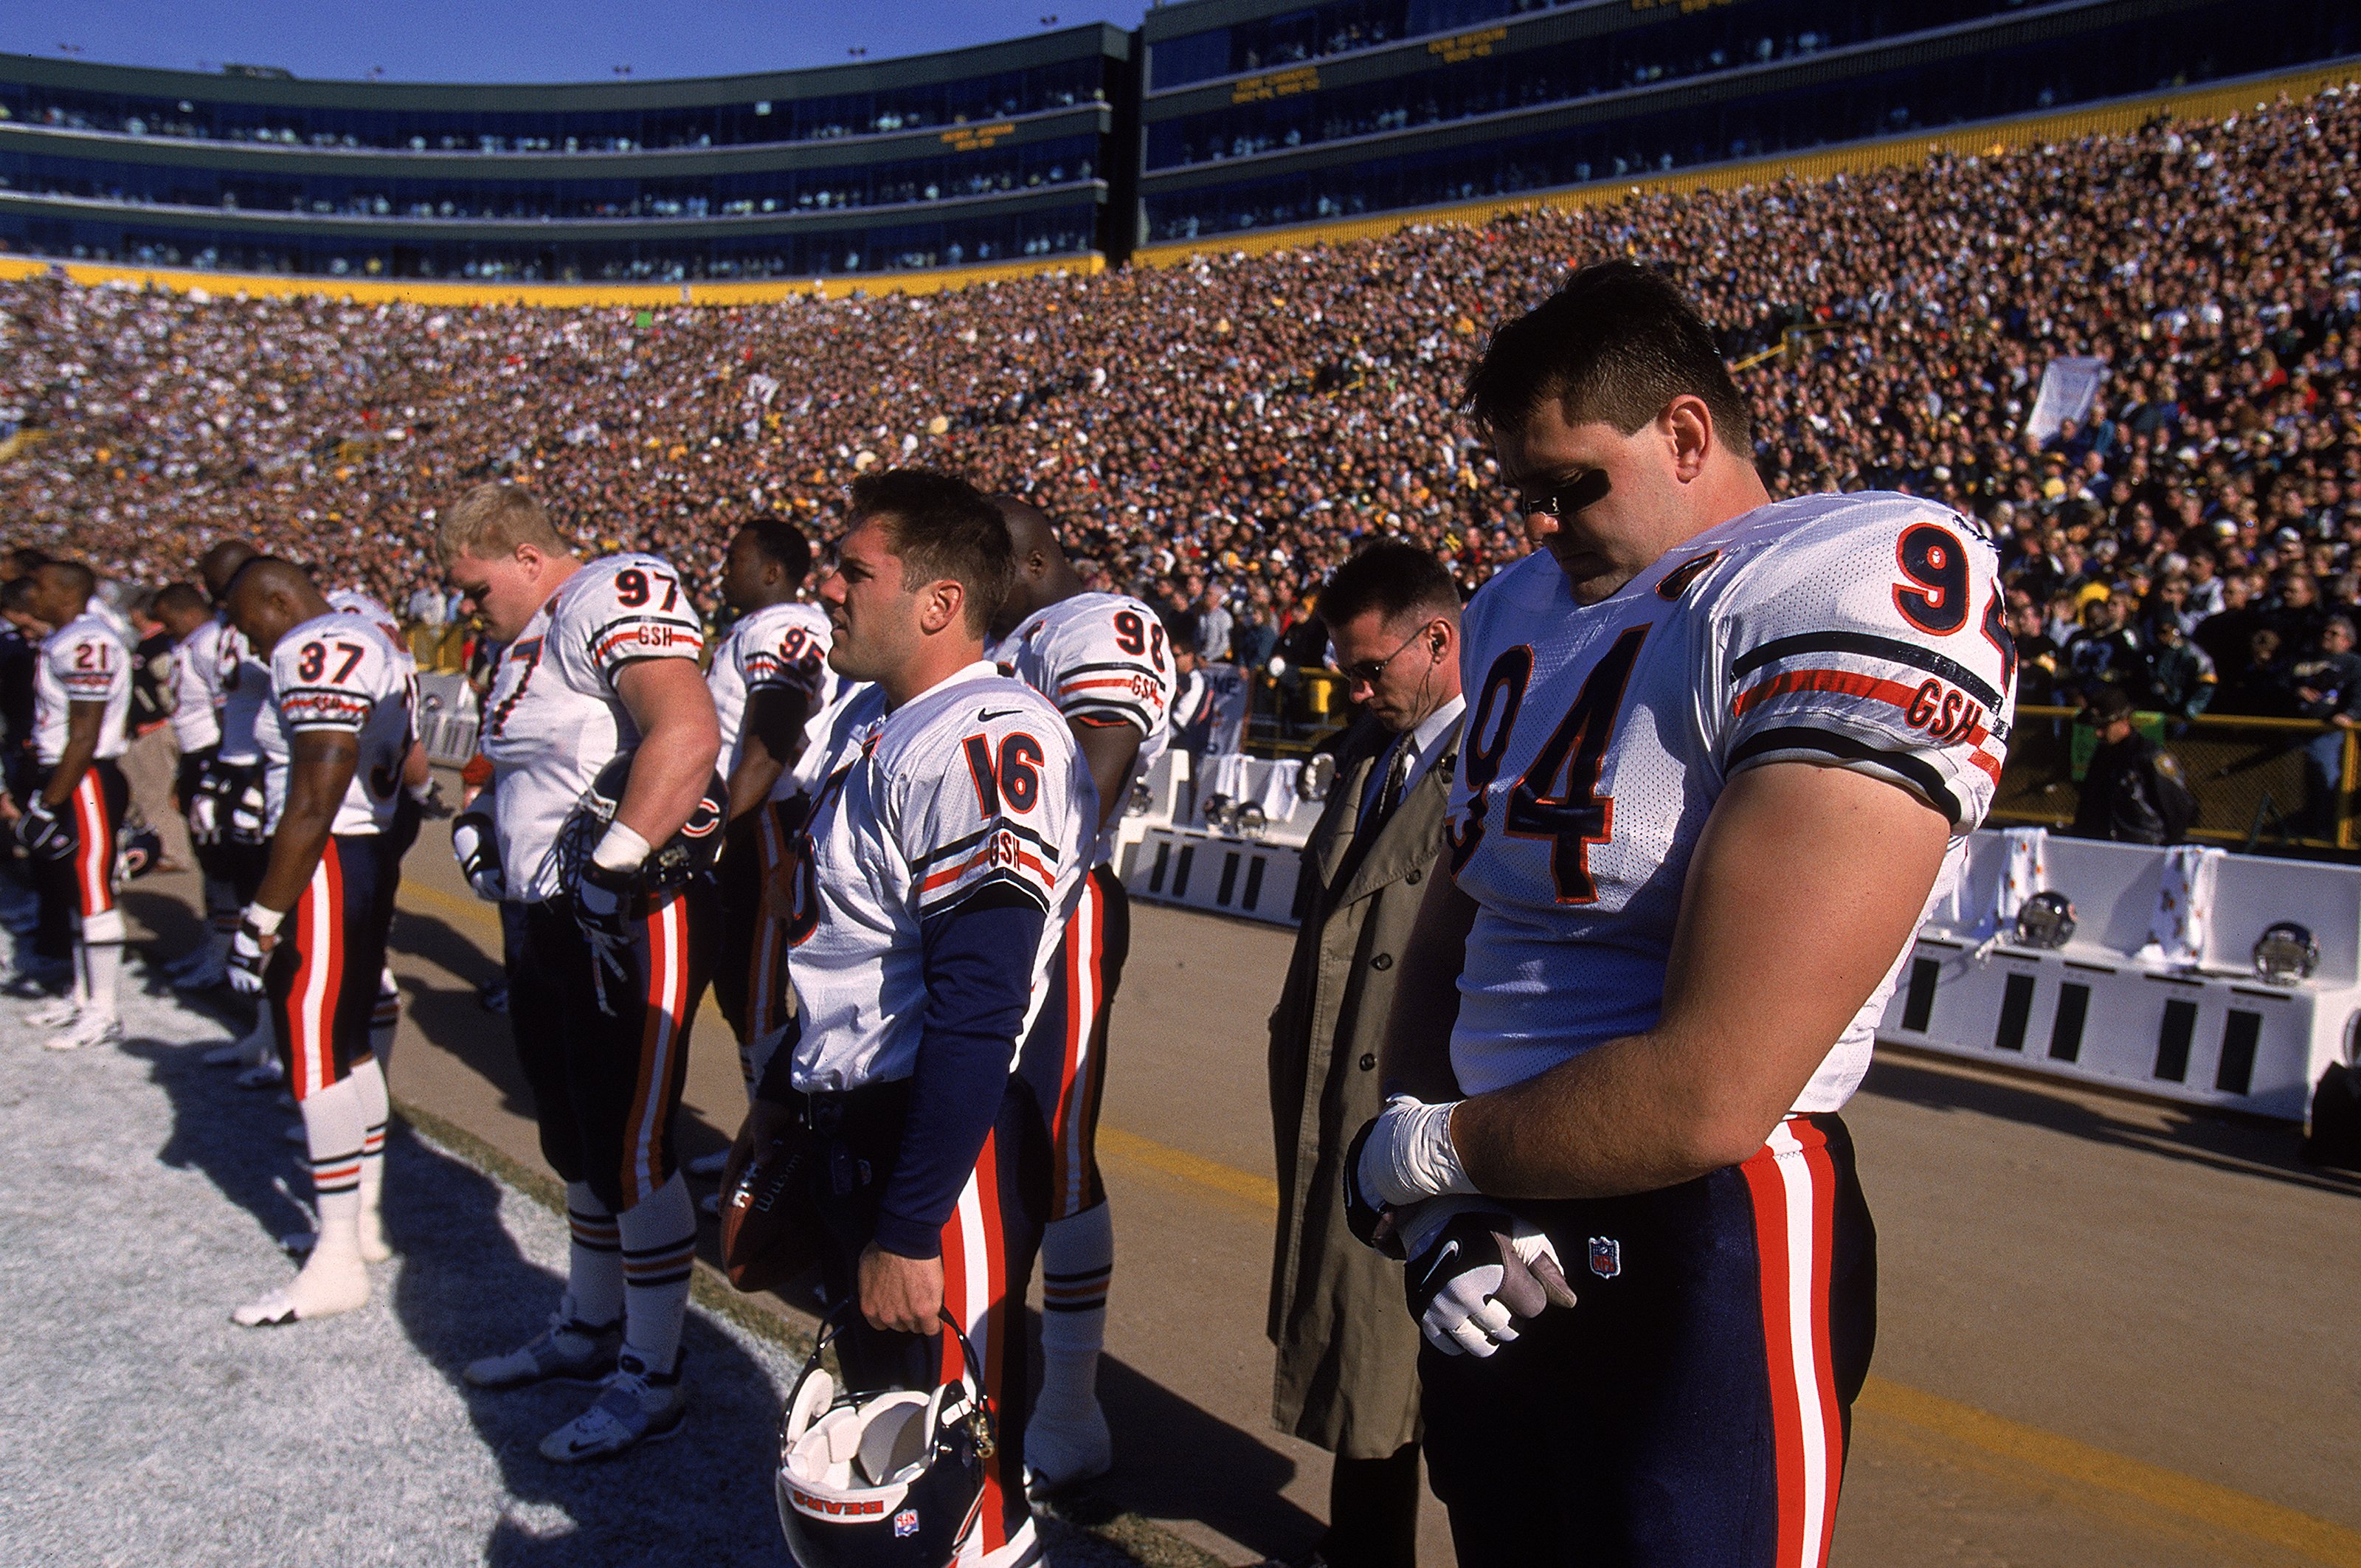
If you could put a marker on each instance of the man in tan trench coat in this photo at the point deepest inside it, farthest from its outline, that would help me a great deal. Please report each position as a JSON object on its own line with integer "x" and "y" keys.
{"x": 1347, "y": 1375}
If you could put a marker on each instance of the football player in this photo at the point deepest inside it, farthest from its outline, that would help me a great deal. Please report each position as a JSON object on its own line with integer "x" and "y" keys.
{"x": 410, "y": 811}
{"x": 930, "y": 881}
{"x": 1101, "y": 659}
{"x": 604, "y": 970}
{"x": 82, "y": 699}
{"x": 1721, "y": 753}
{"x": 188, "y": 616}
{"x": 230, "y": 794}
{"x": 769, "y": 678}
{"x": 332, "y": 741}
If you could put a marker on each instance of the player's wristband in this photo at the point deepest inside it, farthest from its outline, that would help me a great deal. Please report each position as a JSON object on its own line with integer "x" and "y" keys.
{"x": 620, "y": 850}
{"x": 262, "y": 920}
{"x": 1412, "y": 1157}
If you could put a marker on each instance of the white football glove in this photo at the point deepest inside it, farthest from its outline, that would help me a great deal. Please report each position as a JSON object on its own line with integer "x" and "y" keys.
{"x": 249, "y": 950}
{"x": 478, "y": 853}
{"x": 1473, "y": 1271}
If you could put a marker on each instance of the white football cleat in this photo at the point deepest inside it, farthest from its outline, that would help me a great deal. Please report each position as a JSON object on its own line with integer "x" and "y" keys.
{"x": 325, "y": 1287}
{"x": 89, "y": 1029}
{"x": 55, "y": 1013}
{"x": 635, "y": 1406}
{"x": 1064, "y": 1453}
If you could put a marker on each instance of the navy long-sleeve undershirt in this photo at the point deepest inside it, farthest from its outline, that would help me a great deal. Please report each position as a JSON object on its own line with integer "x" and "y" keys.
{"x": 977, "y": 960}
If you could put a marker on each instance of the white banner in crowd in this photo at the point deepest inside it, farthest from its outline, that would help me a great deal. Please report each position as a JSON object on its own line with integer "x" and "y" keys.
{"x": 2069, "y": 387}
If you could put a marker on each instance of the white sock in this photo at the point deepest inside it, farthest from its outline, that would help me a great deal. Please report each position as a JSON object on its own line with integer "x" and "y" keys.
{"x": 368, "y": 1081}
{"x": 98, "y": 975}
{"x": 1077, "y": 1258}
{"x": 388, "y": 1018}
{"x": 332, "y": 1280}
{"x": 659, "y": 1248}
{"x": 594, "y": 1279}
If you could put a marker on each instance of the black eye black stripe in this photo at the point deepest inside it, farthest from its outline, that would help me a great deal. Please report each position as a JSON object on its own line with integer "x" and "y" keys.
{"x": 1876, "y": 647}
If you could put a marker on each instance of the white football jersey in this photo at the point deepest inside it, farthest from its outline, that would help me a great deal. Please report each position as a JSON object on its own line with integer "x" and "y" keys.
{"x": 780, "y": 647}
{"x": 974, "y": 784}
{"x": 83, "y": 661}
{"x": 1864, "y": 631}
{"x": 1100, "y": 658}
{"x": 339, "y": 671}
{"x": 196, "y": 689}
{"x": 244, "y": 683}
{"x": 553, "y": 719}
{"x": 355, "y": 602}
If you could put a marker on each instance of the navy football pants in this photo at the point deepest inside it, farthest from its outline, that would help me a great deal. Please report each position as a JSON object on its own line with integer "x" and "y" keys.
{"x": 1693, "y": 1409}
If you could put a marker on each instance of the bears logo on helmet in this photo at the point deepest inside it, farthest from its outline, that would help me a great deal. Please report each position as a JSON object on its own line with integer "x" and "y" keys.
{"x": 675, "y": 862}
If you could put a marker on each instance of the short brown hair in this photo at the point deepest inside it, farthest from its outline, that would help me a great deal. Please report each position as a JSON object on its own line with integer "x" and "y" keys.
{"x": 943, "y": 529}
{"x": 1617, "y": 344}
{"x": 491, "y": 521}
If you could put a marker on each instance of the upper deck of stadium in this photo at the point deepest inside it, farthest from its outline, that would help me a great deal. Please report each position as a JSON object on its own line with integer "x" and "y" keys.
{"x": 1218, "y": 122}
{"x": 979, "y": 155}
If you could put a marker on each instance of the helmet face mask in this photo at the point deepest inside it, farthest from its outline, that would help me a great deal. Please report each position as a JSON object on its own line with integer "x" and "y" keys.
{"x": 892, "y": 1478}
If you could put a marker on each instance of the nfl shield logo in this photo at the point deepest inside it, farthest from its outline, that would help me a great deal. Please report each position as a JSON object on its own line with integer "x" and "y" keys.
{"x": 905, "y": 1524}
{"x": 1605, "y": 1256}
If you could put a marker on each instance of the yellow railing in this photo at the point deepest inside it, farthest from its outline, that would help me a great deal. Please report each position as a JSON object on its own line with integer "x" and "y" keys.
{"x": 2255, "y": 780}
{"x": 464, "y": 291}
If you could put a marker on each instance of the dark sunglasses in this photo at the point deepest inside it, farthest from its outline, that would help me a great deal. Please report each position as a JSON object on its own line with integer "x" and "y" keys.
{"x": 1563, "y": 500}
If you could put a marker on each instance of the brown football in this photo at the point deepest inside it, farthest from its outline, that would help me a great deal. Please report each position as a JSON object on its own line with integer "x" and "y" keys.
{"x": 770, "y": 1232}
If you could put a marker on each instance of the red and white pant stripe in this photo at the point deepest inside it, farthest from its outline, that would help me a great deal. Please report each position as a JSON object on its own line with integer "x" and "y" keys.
{"x": 94, "y": 846}
{"x": 1072, "y": 1129}
{"x": 1792, "y": 1183}
{"x": 319, "y": 982}
{"x": 976, "y": 1294}
{"x": 660, "y": 1041}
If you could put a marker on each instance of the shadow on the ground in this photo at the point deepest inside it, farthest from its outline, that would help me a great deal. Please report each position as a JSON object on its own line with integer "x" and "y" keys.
{"x": 2249, "y": 1145}
{"x": 462, "y": 1290}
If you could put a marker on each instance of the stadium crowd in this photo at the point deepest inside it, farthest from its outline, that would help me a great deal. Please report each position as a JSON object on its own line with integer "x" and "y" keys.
{"x": 1220, "y": 435}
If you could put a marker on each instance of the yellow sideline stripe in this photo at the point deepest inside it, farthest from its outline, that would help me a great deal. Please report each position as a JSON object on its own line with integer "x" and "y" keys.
{"x": 473, "y": 910}
{"x": 2096, "y": 1468}
{"x": 1130, "y": 1149}
{"x": 2078, "y": 1464}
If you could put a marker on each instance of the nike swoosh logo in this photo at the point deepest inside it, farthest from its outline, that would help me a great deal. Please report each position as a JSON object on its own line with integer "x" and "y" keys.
{"x": 579, "y": 1446}
{"x": 988, "y": 715}
{"x": 1450, "y": 1250}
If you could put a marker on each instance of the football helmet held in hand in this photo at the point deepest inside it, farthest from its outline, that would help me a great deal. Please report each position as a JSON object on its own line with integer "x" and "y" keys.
{"x": 887, "y": 1479}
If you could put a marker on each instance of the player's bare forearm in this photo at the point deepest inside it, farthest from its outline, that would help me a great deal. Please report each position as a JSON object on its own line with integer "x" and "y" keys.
{"x": 1805, "y": 885}
{"x": 773, "y": 737}
{"x": 679, "y": 739}
{"x": 1108, "y": 750}
{"x": 1417, "y": 1058}
{"x": 319, "y": 771}
{"x": 417, "y": 767}
{"x": 83, "y": 720}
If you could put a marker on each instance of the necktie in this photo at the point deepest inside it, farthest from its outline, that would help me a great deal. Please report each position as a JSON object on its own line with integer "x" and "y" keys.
{"x": 1390, "y": 794}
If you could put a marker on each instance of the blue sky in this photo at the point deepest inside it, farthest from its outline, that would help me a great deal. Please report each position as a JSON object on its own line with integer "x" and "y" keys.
{"x": 522, "y": 41}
